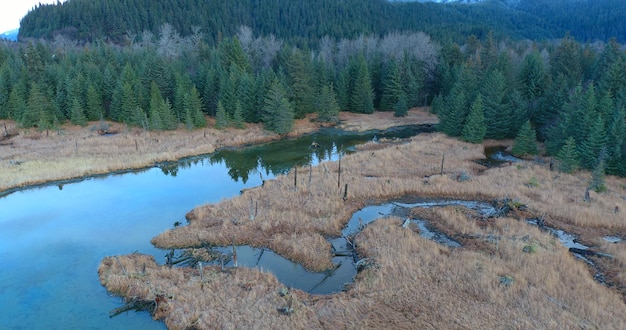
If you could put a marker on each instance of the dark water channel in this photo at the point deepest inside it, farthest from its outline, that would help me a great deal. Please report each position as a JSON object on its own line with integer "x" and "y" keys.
{"x": 53, "y": 237}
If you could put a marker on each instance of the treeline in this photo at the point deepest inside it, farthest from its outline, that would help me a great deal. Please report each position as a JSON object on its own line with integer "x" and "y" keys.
{"x": 568, "y": 95}
{"x": 571, "y": 97}
{"x": 303, "y": 22}
{"x": 162, "y": 82}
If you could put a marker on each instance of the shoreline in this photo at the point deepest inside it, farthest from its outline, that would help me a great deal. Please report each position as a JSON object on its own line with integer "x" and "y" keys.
{"x": 31, "y": 159}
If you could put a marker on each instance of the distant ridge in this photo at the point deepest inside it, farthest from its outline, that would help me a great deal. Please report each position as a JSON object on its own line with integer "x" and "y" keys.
{"x": 10, "y": 35}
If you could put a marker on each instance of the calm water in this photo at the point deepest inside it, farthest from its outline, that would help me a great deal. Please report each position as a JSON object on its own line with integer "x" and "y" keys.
{"x": 53, "y": 238}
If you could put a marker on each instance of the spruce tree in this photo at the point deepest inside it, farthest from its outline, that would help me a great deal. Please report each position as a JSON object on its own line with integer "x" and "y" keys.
{"x": 238, "y": 121}
{"x": 77, "y": 115}
{"x": 475, "y": 128}
{"x": 392, "y": 87}
{"x": 93, "y": 104}
{"x": 453, "y": 113}
{"x": 525, "y": 143}
{"x": 362, "y": 94}
{"x": 568, "y": 156}
{"x": 401, "y": 107}
{"x": 278, "y": 115}
{"x": 595, "y": 142}
{"x": 328, "y": 105}
{"x": 221, "y": 116}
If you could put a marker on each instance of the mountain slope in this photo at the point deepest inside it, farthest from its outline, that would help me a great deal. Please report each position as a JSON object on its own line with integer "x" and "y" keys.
{"x": 305, "y": 20}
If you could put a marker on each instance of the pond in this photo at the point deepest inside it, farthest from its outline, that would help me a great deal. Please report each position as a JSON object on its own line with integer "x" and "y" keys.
{"x": 53, "y": 237}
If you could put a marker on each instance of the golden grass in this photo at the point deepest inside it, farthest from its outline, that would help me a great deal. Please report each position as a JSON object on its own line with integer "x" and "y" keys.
{"x": 418, "y": 283}
{"x": 28, "y": 156}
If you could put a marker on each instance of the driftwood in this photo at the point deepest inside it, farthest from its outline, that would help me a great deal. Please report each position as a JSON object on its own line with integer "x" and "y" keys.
{"x": 135, "y": 304}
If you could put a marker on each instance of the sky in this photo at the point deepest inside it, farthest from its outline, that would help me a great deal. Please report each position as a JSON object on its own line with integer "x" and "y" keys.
{"x": 11, "y": 11}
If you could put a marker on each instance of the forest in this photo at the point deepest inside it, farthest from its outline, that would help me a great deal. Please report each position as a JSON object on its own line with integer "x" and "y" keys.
{"x": 489, "y": 85}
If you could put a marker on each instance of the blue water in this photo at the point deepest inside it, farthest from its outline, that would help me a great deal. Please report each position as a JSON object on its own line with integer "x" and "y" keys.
{"x": 52, "y": 241}
{"x": 53, "y": 238}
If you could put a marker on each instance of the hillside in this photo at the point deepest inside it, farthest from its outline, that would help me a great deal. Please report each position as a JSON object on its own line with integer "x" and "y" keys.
{"x": 304, "y": 21}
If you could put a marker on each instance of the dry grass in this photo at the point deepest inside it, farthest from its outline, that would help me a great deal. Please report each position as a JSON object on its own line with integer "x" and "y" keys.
{"x": 418, "y": 283}
{"x": 30, "y": 157}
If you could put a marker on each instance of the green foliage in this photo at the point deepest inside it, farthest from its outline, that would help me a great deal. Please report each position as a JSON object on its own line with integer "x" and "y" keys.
{"x": 525, "y": 143}
{"x": 568, "y": 156}
{"x": 402, "y": 107}
{"x": 328, "y": 105}
{"x": 475, "y": 128}
{"x": 278, "y": 113}
{"x": 221, "y": 117}
{"x": 362, "y": 94}
{"x": 78, "y": 116}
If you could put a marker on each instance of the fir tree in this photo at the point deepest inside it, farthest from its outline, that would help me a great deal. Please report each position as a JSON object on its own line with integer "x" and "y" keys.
{"x": 392, "y": 87}
{"x": 362, "y": 94}
{"x": 475, "y": 128}
{"x": 525, "y": 143}
{"x": 278, "y": 115}
{"x": 221, "y": 117}
{"x": 401, "y": 107}
{"x": 328, "y": 105}
{"x": 568, "y": 156}
{"x": 238, "y": 121}
{"x": 78, "y": 116}
{"x": 589, "y": 150}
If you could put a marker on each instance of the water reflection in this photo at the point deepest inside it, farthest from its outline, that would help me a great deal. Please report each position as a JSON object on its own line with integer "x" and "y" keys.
{"x": 52, "y": 237}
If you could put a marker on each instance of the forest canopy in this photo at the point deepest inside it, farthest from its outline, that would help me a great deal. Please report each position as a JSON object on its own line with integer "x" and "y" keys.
{"x": 164, "y": 75}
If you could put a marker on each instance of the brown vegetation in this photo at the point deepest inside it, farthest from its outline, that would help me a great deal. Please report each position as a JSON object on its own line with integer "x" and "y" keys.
{"x": 28, "y": 156}
{"x": 491, "y": 282}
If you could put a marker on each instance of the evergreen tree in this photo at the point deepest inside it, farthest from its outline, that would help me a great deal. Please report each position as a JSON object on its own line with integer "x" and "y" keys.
{"x": 525, "y": 143}
{"x": 595, "y": 142}
{"x": 401, "y": 107}
{"x": 597, "y": 175}
{"x": 299, "y": 75}
{"x": 616, "y": 142}
{"x": 362, "y": 94}
{"x": 475, "y": 128}
{"x": 40, "y": 111}
{"x": 78, "y": 116}
{"x": 221, "y": 116}
{"x": 238, "y": 121}
{"x": 498, "y": 117}
{"x": 328, "y": 105}
{"x": 278, "y": 113}
{"x": 392, "y": 87}
{"x": 193, "y": 108}
{"x": 568, "y": 156}
{"x": 453, "y": 114}
{"x": 93, "y": 103}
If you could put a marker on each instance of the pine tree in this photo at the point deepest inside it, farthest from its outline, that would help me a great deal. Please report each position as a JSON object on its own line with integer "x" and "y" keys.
{"x": 221, "y": 116}
{"x": 278, "y": 113}
{"x": 362, "y": 94}
{"x": 392, "y": 87}
{"x": 568, "y": 156}
{"x": 497, "y": 114}
{"x": 525, "y": 143}
{"x": 93, "y": 104}
{"x": 475, "y": 128}
{"x": 597, "y": 175}
{"x": 193, "y": 108}
{"x": 401, "y": 107}
{"x": 300, "y": 71}
{"x": 595, "y": 142}
{"x": 238, "y": 121}
{"x": 78, "y": 116}
{"x": 453, "y": 113}
{"x": 328, "y": 105}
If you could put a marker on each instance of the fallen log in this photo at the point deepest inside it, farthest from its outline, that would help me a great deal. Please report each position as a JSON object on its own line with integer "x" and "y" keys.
{"x": 135, "y": 304}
